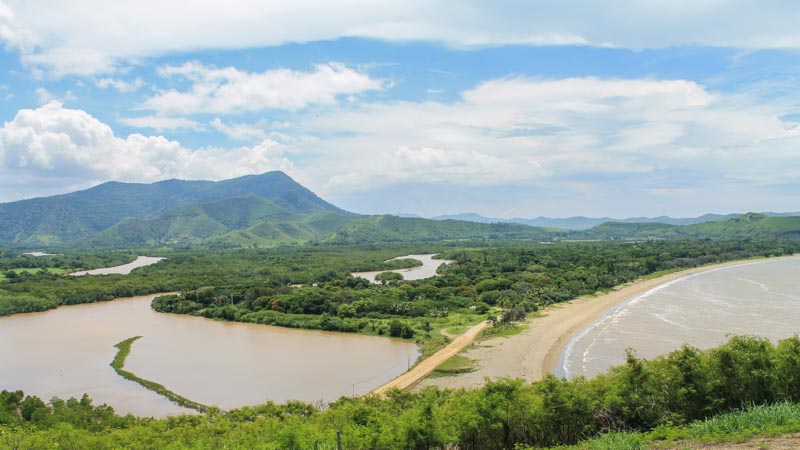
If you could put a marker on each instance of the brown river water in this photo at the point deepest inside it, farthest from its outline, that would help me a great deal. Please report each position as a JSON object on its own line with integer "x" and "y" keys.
{"x": 426, "y": 270}
{"x": 66, "y": 352}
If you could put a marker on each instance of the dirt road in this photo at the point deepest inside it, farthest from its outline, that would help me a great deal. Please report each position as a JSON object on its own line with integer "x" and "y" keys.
{"x": 421, "y": 370}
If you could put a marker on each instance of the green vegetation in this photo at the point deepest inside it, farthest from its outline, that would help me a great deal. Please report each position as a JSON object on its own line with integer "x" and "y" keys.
{"x": 760, "y": 420}
{"x": 498, "y": 330}
{"x": 258, "y": 285}
{"x": 388, "y": 277}
{"x": 15, "y": 273}
{"x": 119, "y": 363}
{"x": 184, "y": 269}
{"x": 517, "y": 277}
{"x": 252, "y": 211}
{"x": 67, "y": 261}
{"x": 214, "y": 237}
{"x": 373, "y": 229}
{"x": 747, "y": 226}
{"x": 77, "y": 217}
{"x": 664, "y": 398}
{"x": 272, "y": 209}
{"x": 455, "y": 365}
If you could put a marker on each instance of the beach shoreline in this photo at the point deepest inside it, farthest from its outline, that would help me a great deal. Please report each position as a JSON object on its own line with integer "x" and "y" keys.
{"x": 536, "y": 351}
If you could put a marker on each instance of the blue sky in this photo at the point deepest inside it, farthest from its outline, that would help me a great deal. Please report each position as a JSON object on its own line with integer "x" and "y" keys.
{"x": 508, "y": 109}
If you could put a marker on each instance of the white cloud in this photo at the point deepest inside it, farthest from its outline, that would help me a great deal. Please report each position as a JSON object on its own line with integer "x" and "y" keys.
{"x": 53, "y": 142}
{"x": 94, "y": 36}
{"x": 120, "y": 85}
{"x": 427, "y": 165}
{"x": 229, "y": 90}
{"x": 159, "y": 123}
{"x": 534, "y": 132}
{"x": 44, "y": 96}
{"x": 588, "y": 140}
{"x": 242, "y": 131}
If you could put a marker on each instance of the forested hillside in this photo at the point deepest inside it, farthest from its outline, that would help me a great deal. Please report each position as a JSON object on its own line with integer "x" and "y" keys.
{"x": 252, "y": 211}
{"x": 75, "y": 217}
{"x": 747, "y": 226}
{"x": 272, "y": 209}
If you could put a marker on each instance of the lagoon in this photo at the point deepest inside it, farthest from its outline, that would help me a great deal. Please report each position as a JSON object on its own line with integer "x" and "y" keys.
{"x": 66, "y": 352}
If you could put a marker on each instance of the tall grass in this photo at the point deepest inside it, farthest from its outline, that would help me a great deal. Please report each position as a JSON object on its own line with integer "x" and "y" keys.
{"x": 763, "y": 419}
{"x": 760, "y": 420}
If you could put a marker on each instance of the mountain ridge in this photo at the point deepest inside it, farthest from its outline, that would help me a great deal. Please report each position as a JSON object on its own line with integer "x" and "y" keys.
{"x": 76, "y": 216}
{"x": 579, "y": 223}
{"x": 254, "y": 210}
{"x": 272, "y": 209}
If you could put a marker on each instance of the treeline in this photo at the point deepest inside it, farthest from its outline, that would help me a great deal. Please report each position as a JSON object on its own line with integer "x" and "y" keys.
{"x": 69, "y": 260}
{"x": 516, "y": 276}
{"x": 253, "y": 285}
{"x": 678, "y": 388}
{"x": 183, "y": 269}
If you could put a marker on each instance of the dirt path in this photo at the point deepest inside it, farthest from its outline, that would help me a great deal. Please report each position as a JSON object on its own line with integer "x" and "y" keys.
{"x": 421, "y": 370}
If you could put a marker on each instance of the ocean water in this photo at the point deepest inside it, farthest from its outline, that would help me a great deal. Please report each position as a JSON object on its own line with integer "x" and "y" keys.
{"x": 703, "y": 310}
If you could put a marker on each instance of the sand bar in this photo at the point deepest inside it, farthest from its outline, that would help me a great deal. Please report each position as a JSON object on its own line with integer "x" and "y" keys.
{"x": 536, "y": 351}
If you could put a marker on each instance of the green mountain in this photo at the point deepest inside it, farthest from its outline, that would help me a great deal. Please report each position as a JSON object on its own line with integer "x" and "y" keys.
{"x": 255, "y": 222}
{"x": 258, "y": 210}
{"x": 271, "y": 209}
{"x": 399, "y": 229}
{"x": 750, "y": 225}
{"x": 79, "y": 216}
{"x": 194, "y": 223}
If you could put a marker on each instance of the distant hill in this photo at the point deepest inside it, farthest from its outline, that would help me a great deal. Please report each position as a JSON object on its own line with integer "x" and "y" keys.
{"x": 399, "y": 229}
{"x": 78, "y": 216}
{"x": 750, "y": 225}
{"x": 257, "y": 210}
{"x": 271, "y": 209}
{"x": 584, "y": 223}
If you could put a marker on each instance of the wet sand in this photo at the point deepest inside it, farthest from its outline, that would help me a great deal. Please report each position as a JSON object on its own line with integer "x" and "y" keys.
{"x": 536, "y": 351}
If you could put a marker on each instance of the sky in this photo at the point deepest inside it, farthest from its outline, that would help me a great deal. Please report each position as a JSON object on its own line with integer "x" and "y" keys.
{"x": 505, "y": 108}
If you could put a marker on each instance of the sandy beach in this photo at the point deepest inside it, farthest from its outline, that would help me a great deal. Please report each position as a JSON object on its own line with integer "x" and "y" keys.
{"x": 535, "y": 352}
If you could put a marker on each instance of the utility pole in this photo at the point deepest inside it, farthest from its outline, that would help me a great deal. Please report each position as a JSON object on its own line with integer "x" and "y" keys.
{"x": 339, "y": 440}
